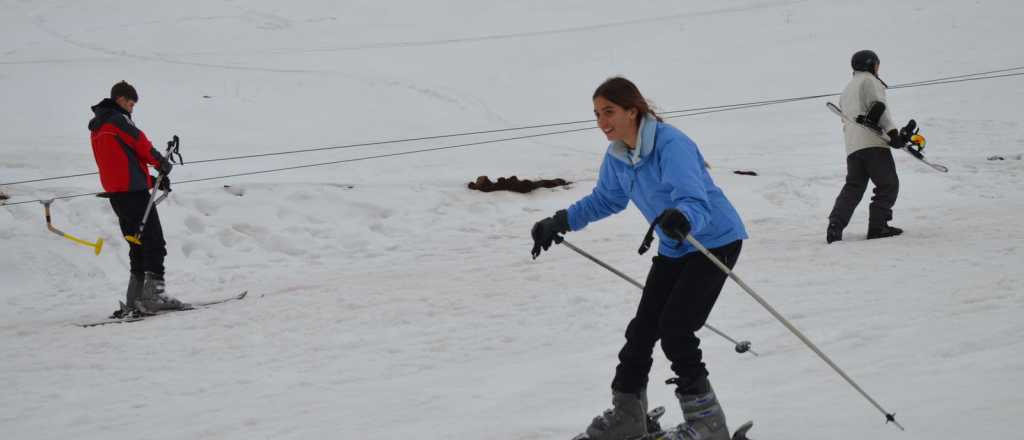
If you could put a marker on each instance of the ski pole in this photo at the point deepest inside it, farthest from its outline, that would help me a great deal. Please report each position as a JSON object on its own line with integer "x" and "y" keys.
{"x": 889, "y": 417}
{"x": 97, "y": 246}
{"x": 172, "y": 149}
{"x": 741, "y": 347}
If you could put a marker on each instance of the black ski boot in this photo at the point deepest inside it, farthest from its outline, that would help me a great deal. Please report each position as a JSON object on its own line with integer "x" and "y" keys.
{"x": 134, "y": 291}
{"x": 834, "y": 232}
{"x": 153, "y": 299}
{"x": 882, "y": 231}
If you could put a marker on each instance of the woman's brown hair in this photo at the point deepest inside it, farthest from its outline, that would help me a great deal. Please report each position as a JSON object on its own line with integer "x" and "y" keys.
{"x": 623, "y": 93}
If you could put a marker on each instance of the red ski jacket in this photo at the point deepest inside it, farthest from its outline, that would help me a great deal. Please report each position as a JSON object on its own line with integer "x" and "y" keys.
{"x": 122, "y": 151}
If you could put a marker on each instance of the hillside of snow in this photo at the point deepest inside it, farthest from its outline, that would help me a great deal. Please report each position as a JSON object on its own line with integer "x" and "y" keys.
{"x": 386, "y": 300}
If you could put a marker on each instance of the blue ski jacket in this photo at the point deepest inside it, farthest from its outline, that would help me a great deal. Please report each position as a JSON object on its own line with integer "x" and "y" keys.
{"x": 665, "y": 170}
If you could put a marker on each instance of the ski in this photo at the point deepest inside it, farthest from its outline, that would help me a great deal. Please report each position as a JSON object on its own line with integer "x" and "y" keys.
{"x": 192, "y": 306}
{"x": 911, "y": 151}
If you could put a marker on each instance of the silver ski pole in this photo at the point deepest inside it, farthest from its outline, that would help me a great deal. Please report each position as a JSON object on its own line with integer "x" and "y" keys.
{"x": 741, "y": 347}
{"x": 889, "y": 417}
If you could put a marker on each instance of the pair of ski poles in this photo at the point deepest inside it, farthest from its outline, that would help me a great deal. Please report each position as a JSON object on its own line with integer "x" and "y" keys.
{"x": 745, "y": 345}
{"x": 173, "y": 147}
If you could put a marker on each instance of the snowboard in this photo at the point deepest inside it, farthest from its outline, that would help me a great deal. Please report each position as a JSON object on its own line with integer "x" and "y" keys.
{"x": 910, "y": 150}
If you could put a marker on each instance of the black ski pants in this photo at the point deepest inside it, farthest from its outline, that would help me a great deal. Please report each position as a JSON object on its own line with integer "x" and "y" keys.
{"x": 877, "y": 165}
{"x": 676, "y": 301}
{"x": 130, "y": 207}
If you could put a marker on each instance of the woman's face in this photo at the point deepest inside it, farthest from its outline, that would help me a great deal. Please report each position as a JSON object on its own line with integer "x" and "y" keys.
{"x": 617, "y": 123}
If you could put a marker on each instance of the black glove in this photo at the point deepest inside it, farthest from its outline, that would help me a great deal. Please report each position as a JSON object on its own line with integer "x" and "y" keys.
{"x": 165, "y": 166}
{"x": 909, "y": 130}
{"x": 674, "y": 224}
{"x": 165, "y": 184}
{"x": 896, "y": 140}
{"x": 545, "y": 231}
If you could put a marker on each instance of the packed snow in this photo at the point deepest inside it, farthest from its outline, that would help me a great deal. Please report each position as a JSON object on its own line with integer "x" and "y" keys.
{"x": 387, "y": 300}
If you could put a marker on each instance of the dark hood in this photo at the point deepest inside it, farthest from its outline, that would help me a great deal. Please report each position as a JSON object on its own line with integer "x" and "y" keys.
{"x": 103, "y": 111}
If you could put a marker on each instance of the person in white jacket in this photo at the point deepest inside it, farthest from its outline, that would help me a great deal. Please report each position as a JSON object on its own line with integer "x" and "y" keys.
{"x": 868, "y": 155}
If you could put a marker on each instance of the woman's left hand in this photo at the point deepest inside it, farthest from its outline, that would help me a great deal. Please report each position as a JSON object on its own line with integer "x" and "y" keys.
{"x": 674, "y": 224}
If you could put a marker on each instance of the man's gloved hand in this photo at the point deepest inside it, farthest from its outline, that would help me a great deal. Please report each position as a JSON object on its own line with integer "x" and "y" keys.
{"x": 165, "y": 184}
{"x": 909, "y": 130}
{"x": 674, "y": 224}
{"x": 165, "y": 166}
{"x": 896, "y": 140}
{"x": 545, "y": 231}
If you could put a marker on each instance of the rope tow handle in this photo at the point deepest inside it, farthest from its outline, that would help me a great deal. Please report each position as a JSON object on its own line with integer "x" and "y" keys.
{"x": 173, "y": 146}
{"x": 97, "y": 246}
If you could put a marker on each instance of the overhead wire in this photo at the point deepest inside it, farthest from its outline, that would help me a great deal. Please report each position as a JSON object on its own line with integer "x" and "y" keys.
{"x": 945, "y": 80}
{"x": 672, "y": 114}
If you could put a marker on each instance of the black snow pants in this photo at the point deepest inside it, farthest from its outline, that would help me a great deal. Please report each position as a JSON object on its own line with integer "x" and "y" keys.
{"x": 130, "y": 207}
{"x": 676, "y": 301}
{"x": 877, "y": 165}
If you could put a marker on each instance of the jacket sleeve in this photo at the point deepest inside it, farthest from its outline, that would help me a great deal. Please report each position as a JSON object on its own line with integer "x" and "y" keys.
{"x": 146, "y": 152}
{"x": 682, "y": 168}
{"x": 606, "y": 199}
{"x": 873, "y": 91}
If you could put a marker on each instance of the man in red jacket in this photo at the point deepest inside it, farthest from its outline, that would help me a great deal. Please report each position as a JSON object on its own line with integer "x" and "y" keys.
{"x": 123, "y": 155}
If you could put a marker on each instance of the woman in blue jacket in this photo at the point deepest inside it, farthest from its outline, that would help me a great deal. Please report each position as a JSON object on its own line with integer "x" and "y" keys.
{"x": 662, "y": 172}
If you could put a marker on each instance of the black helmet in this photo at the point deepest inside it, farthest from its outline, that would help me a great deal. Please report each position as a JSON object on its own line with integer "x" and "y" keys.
{"x": 864, "y": 61}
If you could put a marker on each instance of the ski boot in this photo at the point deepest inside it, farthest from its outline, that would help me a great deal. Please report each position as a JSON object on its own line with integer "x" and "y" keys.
{"x": 153, "y": 299}
{"x": 128, "y": 308}
{"x": 883, "y": 230}
{"x": 833, "y": 233}
{"x": 626, "y": 419}
{"x": 704, "y": 417}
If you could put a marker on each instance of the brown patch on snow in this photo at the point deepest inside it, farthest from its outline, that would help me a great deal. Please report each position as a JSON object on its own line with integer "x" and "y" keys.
{"x": 483, "y": 183}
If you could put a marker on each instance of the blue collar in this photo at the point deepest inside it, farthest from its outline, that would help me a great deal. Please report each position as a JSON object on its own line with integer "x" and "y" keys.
{"x": 645, "y": 143}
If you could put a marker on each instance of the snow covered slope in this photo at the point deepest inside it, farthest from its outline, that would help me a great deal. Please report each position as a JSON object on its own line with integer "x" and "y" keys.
{"x": 388, "y": 301}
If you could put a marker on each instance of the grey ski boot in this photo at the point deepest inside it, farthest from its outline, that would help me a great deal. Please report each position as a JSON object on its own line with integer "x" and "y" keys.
{"x": 626, "y": 419}
{"x": 153, "y": 299}
{"x": 135, "y": 283}
{"x": 704, "y": 417}
{"x": 132, "y": 295}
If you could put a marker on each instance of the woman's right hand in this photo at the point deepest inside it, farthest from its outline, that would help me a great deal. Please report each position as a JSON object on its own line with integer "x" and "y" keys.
{"x": 546, "y": 231}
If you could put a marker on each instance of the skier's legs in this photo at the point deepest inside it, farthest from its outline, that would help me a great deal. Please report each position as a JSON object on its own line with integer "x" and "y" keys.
{"x": 627, "y": 417}
{"x": 687, "y": 309}
{"x": 852, "y": 192}
{"x": 881, "y": 169}
{"x": 642, "y": 332}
